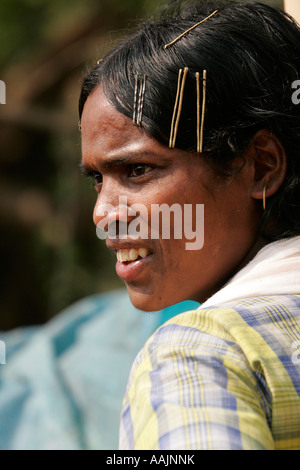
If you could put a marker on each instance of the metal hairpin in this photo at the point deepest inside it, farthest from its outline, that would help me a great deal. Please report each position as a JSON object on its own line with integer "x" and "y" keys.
{"x": 178, "y": 106}
{"x": 190, "y": 29}
{"x": 200, "y": 123}
{"x": 182, "y": 74}
{"x": 139, "y": 98}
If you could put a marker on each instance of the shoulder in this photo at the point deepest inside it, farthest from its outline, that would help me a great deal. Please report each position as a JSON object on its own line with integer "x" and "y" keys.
{"x": 254, "y": 324}
{"x": 220, "y": 366}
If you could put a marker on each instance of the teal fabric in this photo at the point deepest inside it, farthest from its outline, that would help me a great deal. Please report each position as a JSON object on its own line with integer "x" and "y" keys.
{"x": 63, "y": 383}
{"x": 174, "y": 310}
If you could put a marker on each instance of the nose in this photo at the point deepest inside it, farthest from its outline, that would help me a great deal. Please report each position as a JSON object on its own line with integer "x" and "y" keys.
{"x": 111, "y": 210}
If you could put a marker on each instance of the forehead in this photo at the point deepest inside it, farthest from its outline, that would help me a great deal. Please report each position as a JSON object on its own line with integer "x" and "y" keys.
{"x": 102, "y": 125}
{"x": 108, "y": 136}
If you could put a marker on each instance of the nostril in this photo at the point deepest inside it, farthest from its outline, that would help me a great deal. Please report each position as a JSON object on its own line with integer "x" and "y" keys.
{"x": 117, "y": 228}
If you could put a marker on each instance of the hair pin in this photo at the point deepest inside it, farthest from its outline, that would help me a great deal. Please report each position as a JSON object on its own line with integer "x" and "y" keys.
{"x": 178, "y": 106}
{"x": 203, "y": 111}
{"x": 182, "y": 74}
{"x": 139, "y": 97}
{"x": 135, "y": 99}
{"x": 200, "y": 116}
{"x": 197, "y": 75}
{"x": 190, "y": 29}
{"x": 141, "y": 100}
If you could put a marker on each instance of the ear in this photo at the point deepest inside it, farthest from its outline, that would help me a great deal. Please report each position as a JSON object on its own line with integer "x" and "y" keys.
{"x": 270, "y": 164}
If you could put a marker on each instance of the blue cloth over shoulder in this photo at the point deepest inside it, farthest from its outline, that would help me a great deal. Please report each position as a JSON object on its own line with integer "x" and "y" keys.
{"x": 63, "y": 383}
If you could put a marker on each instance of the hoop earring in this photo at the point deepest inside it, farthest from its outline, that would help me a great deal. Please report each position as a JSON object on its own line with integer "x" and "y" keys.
{"x": 264, "y": 198}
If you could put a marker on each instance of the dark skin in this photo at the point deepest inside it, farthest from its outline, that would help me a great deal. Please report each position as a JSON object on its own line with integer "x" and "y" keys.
{"x": 125, "y": 161}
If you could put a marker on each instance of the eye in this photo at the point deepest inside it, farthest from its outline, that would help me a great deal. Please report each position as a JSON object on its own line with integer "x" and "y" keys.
{"x": 98, "y": 178}
{"x": 139, "y": 169}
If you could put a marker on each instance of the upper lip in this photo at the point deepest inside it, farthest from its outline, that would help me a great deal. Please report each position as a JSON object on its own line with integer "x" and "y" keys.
{"x": 128, "y": 244}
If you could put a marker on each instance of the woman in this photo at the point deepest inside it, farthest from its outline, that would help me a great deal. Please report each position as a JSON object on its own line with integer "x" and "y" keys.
{"x": 197, "y": 109}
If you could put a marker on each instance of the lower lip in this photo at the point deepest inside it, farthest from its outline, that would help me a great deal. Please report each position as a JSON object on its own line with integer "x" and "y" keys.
{"x": 129, "y": 272}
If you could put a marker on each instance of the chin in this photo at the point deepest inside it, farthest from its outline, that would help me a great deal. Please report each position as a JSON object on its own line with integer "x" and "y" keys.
{"x": 149, "y": 301}
{"x": 145, "y": 302}
{"x": 152, "y": 303}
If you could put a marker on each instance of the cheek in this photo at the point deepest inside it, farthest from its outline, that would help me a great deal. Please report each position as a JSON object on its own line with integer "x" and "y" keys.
{"x": 176, "y": 261}
{"x": 182, "y": 219}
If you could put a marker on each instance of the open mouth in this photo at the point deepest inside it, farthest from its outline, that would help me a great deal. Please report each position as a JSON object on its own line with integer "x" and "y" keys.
{"x": 133, "y": 263}
{"x": 129, "y": 256}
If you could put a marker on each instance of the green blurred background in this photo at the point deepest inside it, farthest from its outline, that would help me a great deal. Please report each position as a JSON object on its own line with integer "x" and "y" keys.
{"x": 50, "y": 255}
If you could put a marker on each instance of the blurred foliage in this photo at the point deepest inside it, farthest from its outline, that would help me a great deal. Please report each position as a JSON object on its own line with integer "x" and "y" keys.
{"x": 50, "y": 255}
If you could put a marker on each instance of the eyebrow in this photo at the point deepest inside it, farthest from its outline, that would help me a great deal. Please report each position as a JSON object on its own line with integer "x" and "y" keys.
{"x": 116, "y": 161}
{"x": 87, "y": 169}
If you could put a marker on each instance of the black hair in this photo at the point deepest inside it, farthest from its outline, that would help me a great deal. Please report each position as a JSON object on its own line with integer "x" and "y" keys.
{"x": 251, "y": 52}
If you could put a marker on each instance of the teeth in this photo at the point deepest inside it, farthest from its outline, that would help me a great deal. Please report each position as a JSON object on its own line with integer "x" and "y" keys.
{"x": 131, "y": 255}
{"x": 143, "y": 252}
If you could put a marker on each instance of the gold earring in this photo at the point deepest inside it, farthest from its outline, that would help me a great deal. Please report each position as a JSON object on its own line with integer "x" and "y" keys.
{"x": 264, "y": 198}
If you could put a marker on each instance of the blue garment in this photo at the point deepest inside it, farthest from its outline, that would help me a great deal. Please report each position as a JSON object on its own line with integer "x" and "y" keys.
{"x": 63, "y": 383}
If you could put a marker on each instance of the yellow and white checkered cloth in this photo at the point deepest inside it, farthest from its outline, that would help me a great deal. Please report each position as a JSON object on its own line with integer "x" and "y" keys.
{"x": 218, "y": 378}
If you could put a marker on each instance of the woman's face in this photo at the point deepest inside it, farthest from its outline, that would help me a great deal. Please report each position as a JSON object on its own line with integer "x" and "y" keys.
{"x": 127, "y": 163}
